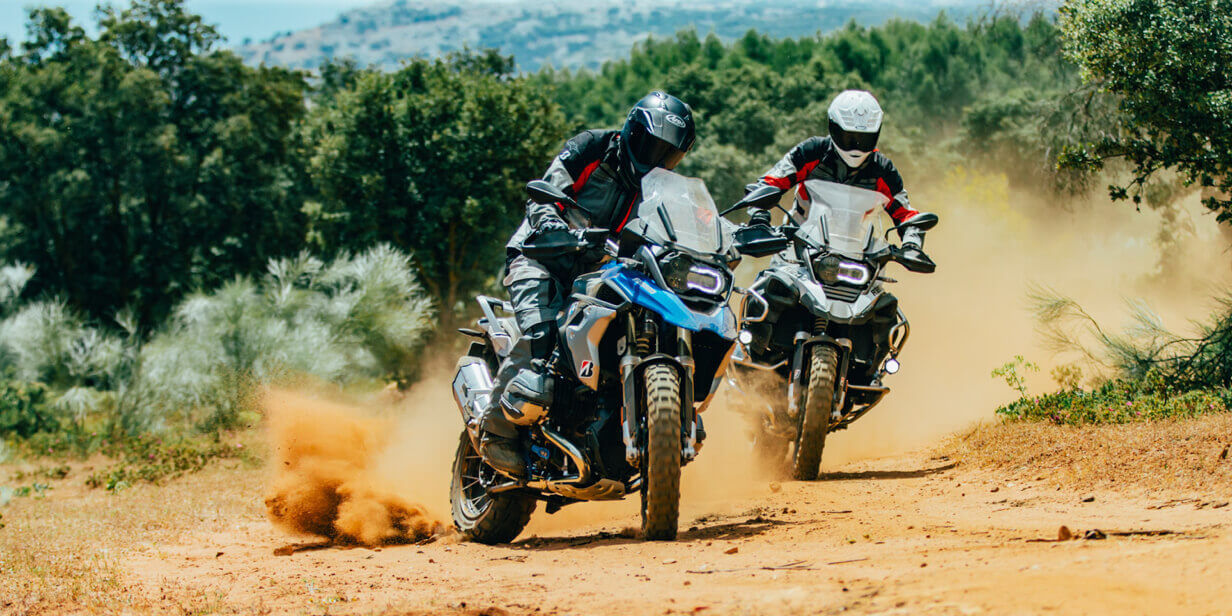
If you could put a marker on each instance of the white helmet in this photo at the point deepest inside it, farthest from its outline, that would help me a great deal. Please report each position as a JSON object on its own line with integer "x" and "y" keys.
{"x": 855, "y": 124}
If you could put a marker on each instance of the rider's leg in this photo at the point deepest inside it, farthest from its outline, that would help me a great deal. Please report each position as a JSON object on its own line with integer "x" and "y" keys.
{"x": 535, "y": 302}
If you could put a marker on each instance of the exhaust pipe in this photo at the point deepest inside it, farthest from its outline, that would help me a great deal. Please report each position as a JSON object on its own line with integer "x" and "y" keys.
{"x": 472, "y": 389}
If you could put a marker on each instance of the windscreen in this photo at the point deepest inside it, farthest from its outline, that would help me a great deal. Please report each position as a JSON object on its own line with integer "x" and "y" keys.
{"x": 679, "y": 209}
{"x": 851, "y": 217}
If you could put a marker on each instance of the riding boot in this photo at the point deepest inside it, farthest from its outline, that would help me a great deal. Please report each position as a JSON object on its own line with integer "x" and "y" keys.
{"x": 499, "y": 443}
{"x": 498, "y": 437}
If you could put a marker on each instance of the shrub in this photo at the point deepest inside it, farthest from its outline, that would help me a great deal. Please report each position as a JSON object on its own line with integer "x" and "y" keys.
{"x": 13, "y": 280}
{"x": 1014, "y": 374}
{"x": 49, "y": 342}
{"x": 24, "y": 409}
{"x": 150, "y": 459}
{"x": 1120, "y": 401}
{"x": 361, "y": 316}
{"x": 1201, "y": 360}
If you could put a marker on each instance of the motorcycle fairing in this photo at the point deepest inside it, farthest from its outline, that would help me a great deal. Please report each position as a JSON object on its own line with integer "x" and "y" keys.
{"x": 813, "y": 297}
{"x": 582, "y": 330}
{"x": 640, "y": 289}
{"x": 586, "y": 322}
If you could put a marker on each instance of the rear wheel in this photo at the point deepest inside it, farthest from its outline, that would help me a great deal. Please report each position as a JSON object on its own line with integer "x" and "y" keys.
{"x": 661, "y": 461}
{"x": 478, "y": 515}
{"x": 815, "y": 417}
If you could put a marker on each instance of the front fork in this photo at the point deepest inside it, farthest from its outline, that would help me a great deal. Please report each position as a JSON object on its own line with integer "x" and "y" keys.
{"x": 798, "y": 382}
{"x": 639, "y": 354}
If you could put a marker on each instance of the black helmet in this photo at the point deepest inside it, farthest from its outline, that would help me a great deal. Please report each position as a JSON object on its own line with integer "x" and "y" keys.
{"x": 658, "y": 132}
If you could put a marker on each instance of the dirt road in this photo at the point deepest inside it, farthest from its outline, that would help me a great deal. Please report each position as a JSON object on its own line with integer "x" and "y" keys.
{"x": 905, "y": 535}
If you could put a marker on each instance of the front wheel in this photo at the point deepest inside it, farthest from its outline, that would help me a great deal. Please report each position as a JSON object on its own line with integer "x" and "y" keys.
{"x": 815, "y": 417}
{"x": 661, "y": 460}
{"x": 478, "y": 515}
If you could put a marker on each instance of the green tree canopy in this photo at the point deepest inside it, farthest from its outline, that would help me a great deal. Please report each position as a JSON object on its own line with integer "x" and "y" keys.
{"x": 432, "y": 158}
{"x": 1169, "y": 64}
{"x": 756, "y": 97}
{"x": 144, "y": 163}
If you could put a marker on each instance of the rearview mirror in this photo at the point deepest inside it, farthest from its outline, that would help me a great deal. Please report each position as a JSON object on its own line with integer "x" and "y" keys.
{"x": 763, "y": 197}
{"x": 922, "y": 221}
{"x": 544, "y": 192}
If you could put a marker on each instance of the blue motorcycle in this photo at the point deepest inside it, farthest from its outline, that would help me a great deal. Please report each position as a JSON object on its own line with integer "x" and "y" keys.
{"x": 644, "y": 342}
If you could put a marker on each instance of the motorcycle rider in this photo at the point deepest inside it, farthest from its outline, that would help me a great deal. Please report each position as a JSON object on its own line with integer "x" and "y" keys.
{"x": 601, "y": 170}
{"x": 849, "y": 156}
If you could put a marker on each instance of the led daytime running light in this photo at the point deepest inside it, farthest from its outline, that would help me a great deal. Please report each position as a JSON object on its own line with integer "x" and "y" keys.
{"x": 716, "y": 280}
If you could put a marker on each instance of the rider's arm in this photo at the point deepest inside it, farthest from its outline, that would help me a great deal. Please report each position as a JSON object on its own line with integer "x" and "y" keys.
{"x": 890, "y": 184}
{"x": 569, "y": 171}
{"x": 792, "y": 169}
{"x": 796, "y": 164}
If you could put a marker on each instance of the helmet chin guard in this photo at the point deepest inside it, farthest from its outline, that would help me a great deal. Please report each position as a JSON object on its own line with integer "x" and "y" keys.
{"x": 855, "y": 125}
{"x": 853, "y": 158}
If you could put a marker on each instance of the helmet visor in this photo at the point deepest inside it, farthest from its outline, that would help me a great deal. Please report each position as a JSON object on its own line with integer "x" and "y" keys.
{"x": 650, "y": 151}
{"x": 851, "y": 141}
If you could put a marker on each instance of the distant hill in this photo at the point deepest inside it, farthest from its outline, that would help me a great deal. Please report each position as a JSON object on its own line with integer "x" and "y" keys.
{"x": 581, "y": 33}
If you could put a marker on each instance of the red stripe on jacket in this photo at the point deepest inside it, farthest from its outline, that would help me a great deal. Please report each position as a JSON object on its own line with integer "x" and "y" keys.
{"x": 780, "y": 183}
{"x": 580, "y": 181}
{"x": 628, "y": 213}
{"x": 796, "y": 178}
{"x": 896, "y": 210}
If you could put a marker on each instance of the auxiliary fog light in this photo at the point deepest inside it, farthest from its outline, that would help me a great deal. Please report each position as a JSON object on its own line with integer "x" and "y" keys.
{"x": 891, "y": 366}
{"x": 745, "y": 336}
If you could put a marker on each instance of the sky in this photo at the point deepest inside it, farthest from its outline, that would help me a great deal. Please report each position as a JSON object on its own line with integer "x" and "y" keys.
{"x": 235, "y": 19}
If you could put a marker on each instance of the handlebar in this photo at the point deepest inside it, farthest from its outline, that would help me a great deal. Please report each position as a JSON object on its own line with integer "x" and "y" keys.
{"x": 886, "y": 254}
{"x": 561, "y": 243}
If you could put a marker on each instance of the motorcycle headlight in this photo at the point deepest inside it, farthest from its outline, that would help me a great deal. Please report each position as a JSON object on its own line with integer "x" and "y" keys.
{"x": 688, "y": 277}
{"x": 833, "y": 269}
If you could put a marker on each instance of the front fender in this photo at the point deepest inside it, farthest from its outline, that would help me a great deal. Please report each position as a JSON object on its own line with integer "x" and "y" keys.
{"x": 640, "y": 289}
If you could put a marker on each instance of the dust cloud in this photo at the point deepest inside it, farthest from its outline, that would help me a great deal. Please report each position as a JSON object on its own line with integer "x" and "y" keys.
{"x": 973, "y": 314}
{"x": 328, "y": 480}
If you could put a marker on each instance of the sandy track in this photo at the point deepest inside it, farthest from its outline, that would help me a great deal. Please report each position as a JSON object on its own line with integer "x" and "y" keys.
{"x": 902, "y": 535}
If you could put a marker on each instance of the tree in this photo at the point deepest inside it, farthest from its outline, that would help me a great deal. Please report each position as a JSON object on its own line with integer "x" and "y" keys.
{"x": 432, "y": 158}
{"x": 1169, "y": 63}
{"x": 142, "y": 164}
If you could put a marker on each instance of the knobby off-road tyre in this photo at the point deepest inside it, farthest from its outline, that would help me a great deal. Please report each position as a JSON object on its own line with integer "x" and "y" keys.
{"x": 661, "y": 462}
{"x": 815, "y": 419}
{"x": 479, "y": 516}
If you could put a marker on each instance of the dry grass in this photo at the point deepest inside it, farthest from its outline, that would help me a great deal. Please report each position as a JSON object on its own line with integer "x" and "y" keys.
{"x": 62, "y": 553}
{"x": 1181, "y": 455}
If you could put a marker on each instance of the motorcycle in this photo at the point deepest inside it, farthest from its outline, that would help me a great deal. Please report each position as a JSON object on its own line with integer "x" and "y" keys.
{"x": 644, "y": 342}
{"x": 819, "y": 323}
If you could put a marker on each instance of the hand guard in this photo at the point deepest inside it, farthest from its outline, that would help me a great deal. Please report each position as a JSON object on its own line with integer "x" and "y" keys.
{"x": 760, "y": 218}
{"x": 915, "y": 260}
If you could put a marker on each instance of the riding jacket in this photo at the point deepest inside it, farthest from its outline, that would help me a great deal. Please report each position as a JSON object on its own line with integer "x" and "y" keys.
{"x": 589, "y": 169}
{"x": 816, "y": 159}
